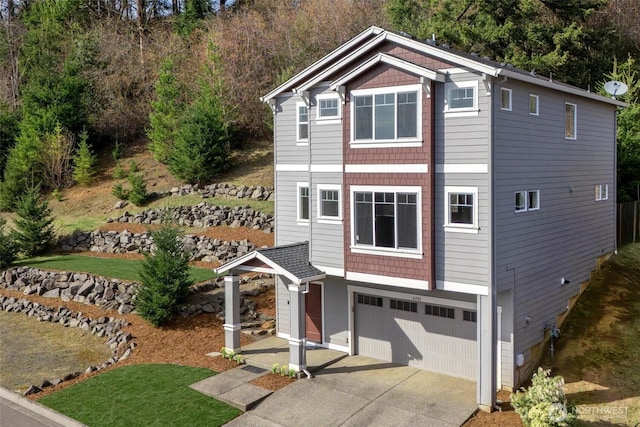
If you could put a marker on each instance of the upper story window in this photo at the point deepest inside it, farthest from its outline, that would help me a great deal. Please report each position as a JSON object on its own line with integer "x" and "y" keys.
{"x": 303, "y": 202}
{"x": 302, "y": 120}
{"x": 505, "y": 99}
{"x": 329, "y": 202}
{"x": 602, "y": 192}
{"x": 570, "y": 121}
{"x": 386, "y": 115}
{"x": 461, "y": 97}
{"x": 461, "y": 209}
{"x": 328, "y": 107}
{"x": 527, "y": 200}
{"x": 534, "y": 104}
{"x": 386, "y": 218}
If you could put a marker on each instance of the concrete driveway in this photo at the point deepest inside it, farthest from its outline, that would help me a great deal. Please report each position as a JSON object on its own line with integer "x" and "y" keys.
{"x": 360, "y": 391}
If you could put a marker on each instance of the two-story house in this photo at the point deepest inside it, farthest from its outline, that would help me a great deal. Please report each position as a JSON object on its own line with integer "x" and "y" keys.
{"x": 434, "y": 208}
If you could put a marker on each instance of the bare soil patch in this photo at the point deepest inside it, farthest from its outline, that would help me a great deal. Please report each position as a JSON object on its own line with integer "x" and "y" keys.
{"x": 272, "y": 382}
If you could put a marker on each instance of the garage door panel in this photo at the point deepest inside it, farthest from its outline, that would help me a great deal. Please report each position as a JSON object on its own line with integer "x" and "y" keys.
{"x": 417, "y": 339}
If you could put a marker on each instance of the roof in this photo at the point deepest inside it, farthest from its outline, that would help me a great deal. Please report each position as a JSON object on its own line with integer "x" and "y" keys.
{"x": 291, "y": 261}
{"x": 359, "y": 46}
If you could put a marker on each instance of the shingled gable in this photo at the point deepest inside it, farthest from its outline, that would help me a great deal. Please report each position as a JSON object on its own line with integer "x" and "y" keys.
{"x": 373, "y": 37}
{"x": 291, "y": 261}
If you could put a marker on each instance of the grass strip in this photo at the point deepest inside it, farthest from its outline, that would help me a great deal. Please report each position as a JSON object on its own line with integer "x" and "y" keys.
{"x": 149, "y": 395}
{"x": 115, "y": 268}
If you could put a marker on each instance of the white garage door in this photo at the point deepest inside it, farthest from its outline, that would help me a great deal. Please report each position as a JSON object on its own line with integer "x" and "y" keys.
{"x": 431, "y": 337}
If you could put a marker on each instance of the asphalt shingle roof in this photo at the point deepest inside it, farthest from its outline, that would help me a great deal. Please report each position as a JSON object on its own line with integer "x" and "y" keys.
{"x": 293, "y": 258}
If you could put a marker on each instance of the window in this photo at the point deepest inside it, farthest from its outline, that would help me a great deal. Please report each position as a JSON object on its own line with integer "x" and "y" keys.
{"x": 534, "y": 102}
{"x": 397, "y": 304}
{"x": 602, "y": 192}
{"x": 570, "y": 118}
{"x": 389, "y": 114}
{"x": 470, "y": 316}
{"x": 328, "y": 106}
{"x": 505, "y": 99}
{"x": 437, "y": 310}
{"x": 461, "y": 213}
{"x": 461, "y": 97}
{"x": 329, "y": 205}
{"x": 303, "y": 201}
{"x": 303, "y": 122}
{"x": 527, "y": 200}
{"x": 387, "y": 219}
{"x": 369, "y": 300}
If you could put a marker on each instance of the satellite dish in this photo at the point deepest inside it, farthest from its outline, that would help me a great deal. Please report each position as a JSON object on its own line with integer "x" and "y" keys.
{"x": 615, "y": 88}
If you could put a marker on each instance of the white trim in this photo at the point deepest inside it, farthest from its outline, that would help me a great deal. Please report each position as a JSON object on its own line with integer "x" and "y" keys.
{"x": 327, "y": 168}
{"x": 336, "y": 221}
{"x": 231, "y": 327}
{"x": 392, "y": 61}
{"x": 575, "y": 121}
{"x": 329, "y": 187}
{"x": 336, "y": 347}
{"x": 465, "y": 305}
{"x": 510, "y": 92}
{"x": 462, "y": 168}
{"x": 524, "y": 208}
{"x": 388, "y": 280}
{"x": 286, "y": 167}
{"x": 537, "y": 208}
{"x": 387, "y": 168}
{"x": 454, "y": 114}
{"x": 537, "y": 98}
{"x": 321, "y": 122}
{"x": 298, "y": 123}
{"x": 297, "y": 368}
{"x": 331, "y": 271}
{"x": 465, "y": 288}
{"x": 328, "y": 119}
{"x": 255, "y": 269}
{"x": 299, "y": 219}
{"x": 386, "y": 144}
{"x": 297, "y": 287}
{"x": 461, "y": 228}
{"x": 598, "y": 192}
{"x": 455, "y": 70}
{"x": 448, "y": 87}
{"x": 394, "y": 253}
{"x": 387, "y": 90}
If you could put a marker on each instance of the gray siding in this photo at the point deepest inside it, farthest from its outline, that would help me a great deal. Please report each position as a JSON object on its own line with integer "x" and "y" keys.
{"x": 505, "y": 300}
{"x": 534, "y": 250}
{"x": 336, "y": 312}
{"x": 287, "y": 151}
{"x": 326, "y": 137}
{"x": 327, "y": 248}
{"x": 288, "y": 230}
{"x": 283, "y": 320}
{"x": 462, "y": 257}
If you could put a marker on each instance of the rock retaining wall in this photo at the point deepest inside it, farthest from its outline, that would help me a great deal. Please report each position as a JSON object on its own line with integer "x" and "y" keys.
{"x": 114, "y": 242}
{"x": 120, "y": 343}
{"x": 225, "y": 190}
{"x": 203, "y": 215}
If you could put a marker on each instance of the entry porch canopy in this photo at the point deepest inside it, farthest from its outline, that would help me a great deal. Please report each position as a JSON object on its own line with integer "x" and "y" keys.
{"x": 291, "y": 263}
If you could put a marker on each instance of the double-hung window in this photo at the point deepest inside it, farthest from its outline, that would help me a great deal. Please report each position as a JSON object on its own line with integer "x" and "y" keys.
{"x": 602, "y": 192}
{"x": 570, "y": 121}
{"x": 329, "y": 207}
{"x": 386, "y": 115}
{"x": 461, "y": 209}
{"x": 302, "y": 121}
{"x": 304, "y": 206}
{"x": 386, "y": 218}
{"x": 328, "y": 107}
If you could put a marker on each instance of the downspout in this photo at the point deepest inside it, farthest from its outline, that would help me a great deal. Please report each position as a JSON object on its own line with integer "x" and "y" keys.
{"x": 306, "y": 97}
{"x": 615, "y": 181}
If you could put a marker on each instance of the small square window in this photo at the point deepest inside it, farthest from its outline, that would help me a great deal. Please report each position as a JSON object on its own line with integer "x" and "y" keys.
{"x": 570, "y": 121}
{"x": 470, "y": 316}
{"x": 602, "y": 192}
{"x": 521, "y": 201}
{"x": 461, "y": 98}
{"x": 533, "y": 202}
{"x": 329, "y": 202}
{"x": 461, "y": 213}
{"x": 534, "y": 103}
{"x": 505, "y": 99}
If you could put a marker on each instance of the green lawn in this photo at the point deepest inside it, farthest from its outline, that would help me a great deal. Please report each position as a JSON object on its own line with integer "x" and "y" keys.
{"x": 149, "y": 395}
{"x": 115, "y": 268}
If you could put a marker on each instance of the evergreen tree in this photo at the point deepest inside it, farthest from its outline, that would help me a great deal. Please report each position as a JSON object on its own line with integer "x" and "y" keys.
{"x": 8, "y": 247}
{"x": 84, "y": 162}
{"x": 21, "y": 168}
{"x": 34, "y": 223}
{"x": 165, "y": 280}
{"x": 138, "y": 194}
{"x": 166, "y": 112}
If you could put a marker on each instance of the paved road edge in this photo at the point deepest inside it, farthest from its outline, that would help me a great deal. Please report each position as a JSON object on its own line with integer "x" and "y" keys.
{"x": 39, "y": 408}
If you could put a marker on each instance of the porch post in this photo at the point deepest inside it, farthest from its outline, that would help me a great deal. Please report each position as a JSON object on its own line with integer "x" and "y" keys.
{"x": 297, "y": 333}
{"x": 232, "y": 313}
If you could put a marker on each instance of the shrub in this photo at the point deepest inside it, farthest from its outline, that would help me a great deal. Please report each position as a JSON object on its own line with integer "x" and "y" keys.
{"x": 34, "y": 223}
{"x": 118, "y": 191}
{"x": 138, "y": 194}
{"x": 21, "y": 168}
{"x": 165, "y": 281}
{"x": 118, "y": 171}
{"x": 133, "y": 167}
{"x": 117, "y": 153}
{"x": 8, "y": 248}
{"x": 544, "y": 402}
{"x": 84, "y": 162}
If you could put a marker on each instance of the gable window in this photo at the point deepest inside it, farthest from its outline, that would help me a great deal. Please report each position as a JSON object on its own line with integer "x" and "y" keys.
{"x": 570, "y": 120}
{"x": 302, "y": 119}
{"x": 303, "y": 202}
{"x": 461, "y": 97}
{"x": 437, "y": 310}
{"x": 386, "y": 218}
{"x": 397, "y": 304}
{"x": 602, "y": 192}
{"x": 470, "y": 316}
{"x": 505, "y": 99}
{"x": 386, "y": 115}
{"x": 329, "y": 202}
{"x": 527, "y": 201}
{"x": 328, "y": 107}
{"x": 534, "y": 103}
{"x": 461, "y": 212}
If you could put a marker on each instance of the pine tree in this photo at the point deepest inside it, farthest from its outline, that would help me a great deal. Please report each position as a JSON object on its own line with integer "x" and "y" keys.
{"x": 166, "y": 113}
{"x": 34, "y": 223}
{"x": 165, "y": 279}
{"x": 8, "y": 248}
{"x": 84, "y": 162}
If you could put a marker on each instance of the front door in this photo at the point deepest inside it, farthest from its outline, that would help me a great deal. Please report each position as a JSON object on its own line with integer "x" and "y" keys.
{"x": 313, "y": 314}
